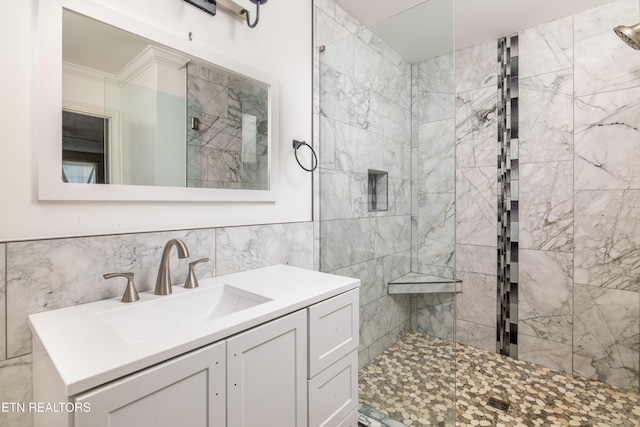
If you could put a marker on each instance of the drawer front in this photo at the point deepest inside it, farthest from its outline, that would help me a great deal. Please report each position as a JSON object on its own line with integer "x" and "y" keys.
{"x": 333, "y": 394}
{"x": 333, "y": 330}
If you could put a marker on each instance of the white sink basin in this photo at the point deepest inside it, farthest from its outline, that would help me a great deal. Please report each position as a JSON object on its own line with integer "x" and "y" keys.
{"x": 140, "y": 322}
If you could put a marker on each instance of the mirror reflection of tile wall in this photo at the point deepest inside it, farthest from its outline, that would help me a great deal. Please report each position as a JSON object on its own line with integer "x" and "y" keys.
{"x": 229, "y": 146}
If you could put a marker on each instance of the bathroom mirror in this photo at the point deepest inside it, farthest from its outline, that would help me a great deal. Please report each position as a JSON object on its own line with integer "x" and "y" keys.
{"x": 142, "y": 114}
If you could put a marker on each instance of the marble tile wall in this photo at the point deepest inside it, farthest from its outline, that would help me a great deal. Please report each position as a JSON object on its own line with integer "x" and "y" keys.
{"x": 434, "y": 149}
{"x": 476, "y": 195}
{"x": 547, "y": 216}
{"x": 579, "y": 155}
{"x": 363, "y": 108}
{"x": 49, "y": 274}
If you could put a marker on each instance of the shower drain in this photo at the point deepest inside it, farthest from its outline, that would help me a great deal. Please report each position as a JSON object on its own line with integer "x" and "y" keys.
{"x": 498, "y": 404}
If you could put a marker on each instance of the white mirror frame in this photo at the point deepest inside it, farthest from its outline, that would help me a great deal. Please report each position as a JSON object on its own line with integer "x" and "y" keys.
{"x": 47, "y": 123}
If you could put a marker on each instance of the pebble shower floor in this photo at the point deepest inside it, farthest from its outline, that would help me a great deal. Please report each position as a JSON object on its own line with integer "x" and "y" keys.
{"x": 425, "y": 381}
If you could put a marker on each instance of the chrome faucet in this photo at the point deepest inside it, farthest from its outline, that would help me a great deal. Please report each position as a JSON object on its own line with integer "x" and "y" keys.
{"x": 163, "y": 282}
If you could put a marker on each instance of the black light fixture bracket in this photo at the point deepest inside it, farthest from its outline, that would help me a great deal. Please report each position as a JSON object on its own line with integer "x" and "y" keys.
{"x": 246, "y": 13}
{"x": 208, "y": 6}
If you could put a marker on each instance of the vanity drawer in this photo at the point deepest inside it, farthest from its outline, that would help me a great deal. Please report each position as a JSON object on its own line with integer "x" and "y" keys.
{"x": 333, "y": 330}
{"x": 333, "y": 393}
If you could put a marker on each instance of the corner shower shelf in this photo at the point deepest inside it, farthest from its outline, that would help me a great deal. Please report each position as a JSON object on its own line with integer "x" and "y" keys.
{"x": 416, "y": 283}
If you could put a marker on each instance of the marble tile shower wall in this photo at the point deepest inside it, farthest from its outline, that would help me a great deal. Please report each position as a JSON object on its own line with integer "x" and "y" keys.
{"x": 579, "y": 196}
{"x": 364, "y": 111}
{"x": 48, "y": 274}
{"x": 433, "y": 169}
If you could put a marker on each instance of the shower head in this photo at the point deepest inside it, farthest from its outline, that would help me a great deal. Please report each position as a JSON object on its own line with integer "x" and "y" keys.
{"x": 629, "y": 35}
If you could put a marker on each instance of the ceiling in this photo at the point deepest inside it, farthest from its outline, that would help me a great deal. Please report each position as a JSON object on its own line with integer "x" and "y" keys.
{"x": 406, "y": 24}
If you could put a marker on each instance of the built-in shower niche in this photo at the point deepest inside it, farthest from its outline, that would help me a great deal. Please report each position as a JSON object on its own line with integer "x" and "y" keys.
{"x": 377, "y": 191}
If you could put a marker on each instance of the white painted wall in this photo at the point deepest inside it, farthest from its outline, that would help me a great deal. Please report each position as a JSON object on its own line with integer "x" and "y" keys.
{"x": 280, "y": 46}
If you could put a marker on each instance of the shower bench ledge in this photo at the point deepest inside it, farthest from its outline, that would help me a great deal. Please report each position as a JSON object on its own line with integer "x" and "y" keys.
{"x": 416, "y": 283}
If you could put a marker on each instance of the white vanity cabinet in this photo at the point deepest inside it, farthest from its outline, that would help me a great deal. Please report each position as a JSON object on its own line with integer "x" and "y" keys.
{"x": 263, "y": 382}
{"x": 290, "y": 362}
{"x": 186, "y": 391}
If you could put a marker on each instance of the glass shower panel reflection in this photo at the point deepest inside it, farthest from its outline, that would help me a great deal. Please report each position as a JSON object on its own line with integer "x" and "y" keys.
{"x": 384, "y": 108}
{"x": 147, "y": 135}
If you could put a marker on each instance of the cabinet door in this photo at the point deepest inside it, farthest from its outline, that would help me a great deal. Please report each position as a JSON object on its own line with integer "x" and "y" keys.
{"x": 266, "y": 374}
{"x": 186, "y": 391}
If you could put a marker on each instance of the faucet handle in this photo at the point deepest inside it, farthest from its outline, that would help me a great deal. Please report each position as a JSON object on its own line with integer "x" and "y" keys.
{"x": 192, "y": 280}
{"x": 130, "y": 293}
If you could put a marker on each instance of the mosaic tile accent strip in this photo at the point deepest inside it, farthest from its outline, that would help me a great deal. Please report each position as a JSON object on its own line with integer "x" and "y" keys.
{"x": 507, "y": 267}
{"x": 426, "y": 381}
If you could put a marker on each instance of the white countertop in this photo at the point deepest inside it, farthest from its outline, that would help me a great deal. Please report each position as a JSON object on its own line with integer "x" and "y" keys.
{"x": 87, "y": 353}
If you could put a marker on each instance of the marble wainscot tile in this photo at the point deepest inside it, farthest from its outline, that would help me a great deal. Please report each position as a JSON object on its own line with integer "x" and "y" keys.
{"x": 478, "y": 301}
{"x": 49, "y": 274}
{"x": 3, "y": 302}
{"x": 245, "y": 248}
{"x": 476, "y": 67}
{"x": 316, "y": 231}
{"x": 343, "y": 99}
{"x": 546, "y": 117}
{"x": 436, "y": 229}
{"x": 436, "y": 157}
{"x": 476, "y": 206}
{"x": 476, "y": 335}
{"x": 476, "y": 128}
{"x": 607, "y": 239}
{"x": 606, "y": 336}
{"x": 607, "y": 153}
{"x": 545, "y": 295}
{"x": 16, "y": 380}
{"x": 546, "y": 206}
{"x": 546, "y": 48}
{"x": 602, "y": 61}
{"x": 544, "y": 352}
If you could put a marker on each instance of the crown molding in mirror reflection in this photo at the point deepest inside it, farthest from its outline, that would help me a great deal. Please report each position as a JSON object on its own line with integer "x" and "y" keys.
{"x": 47, "y": 123}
